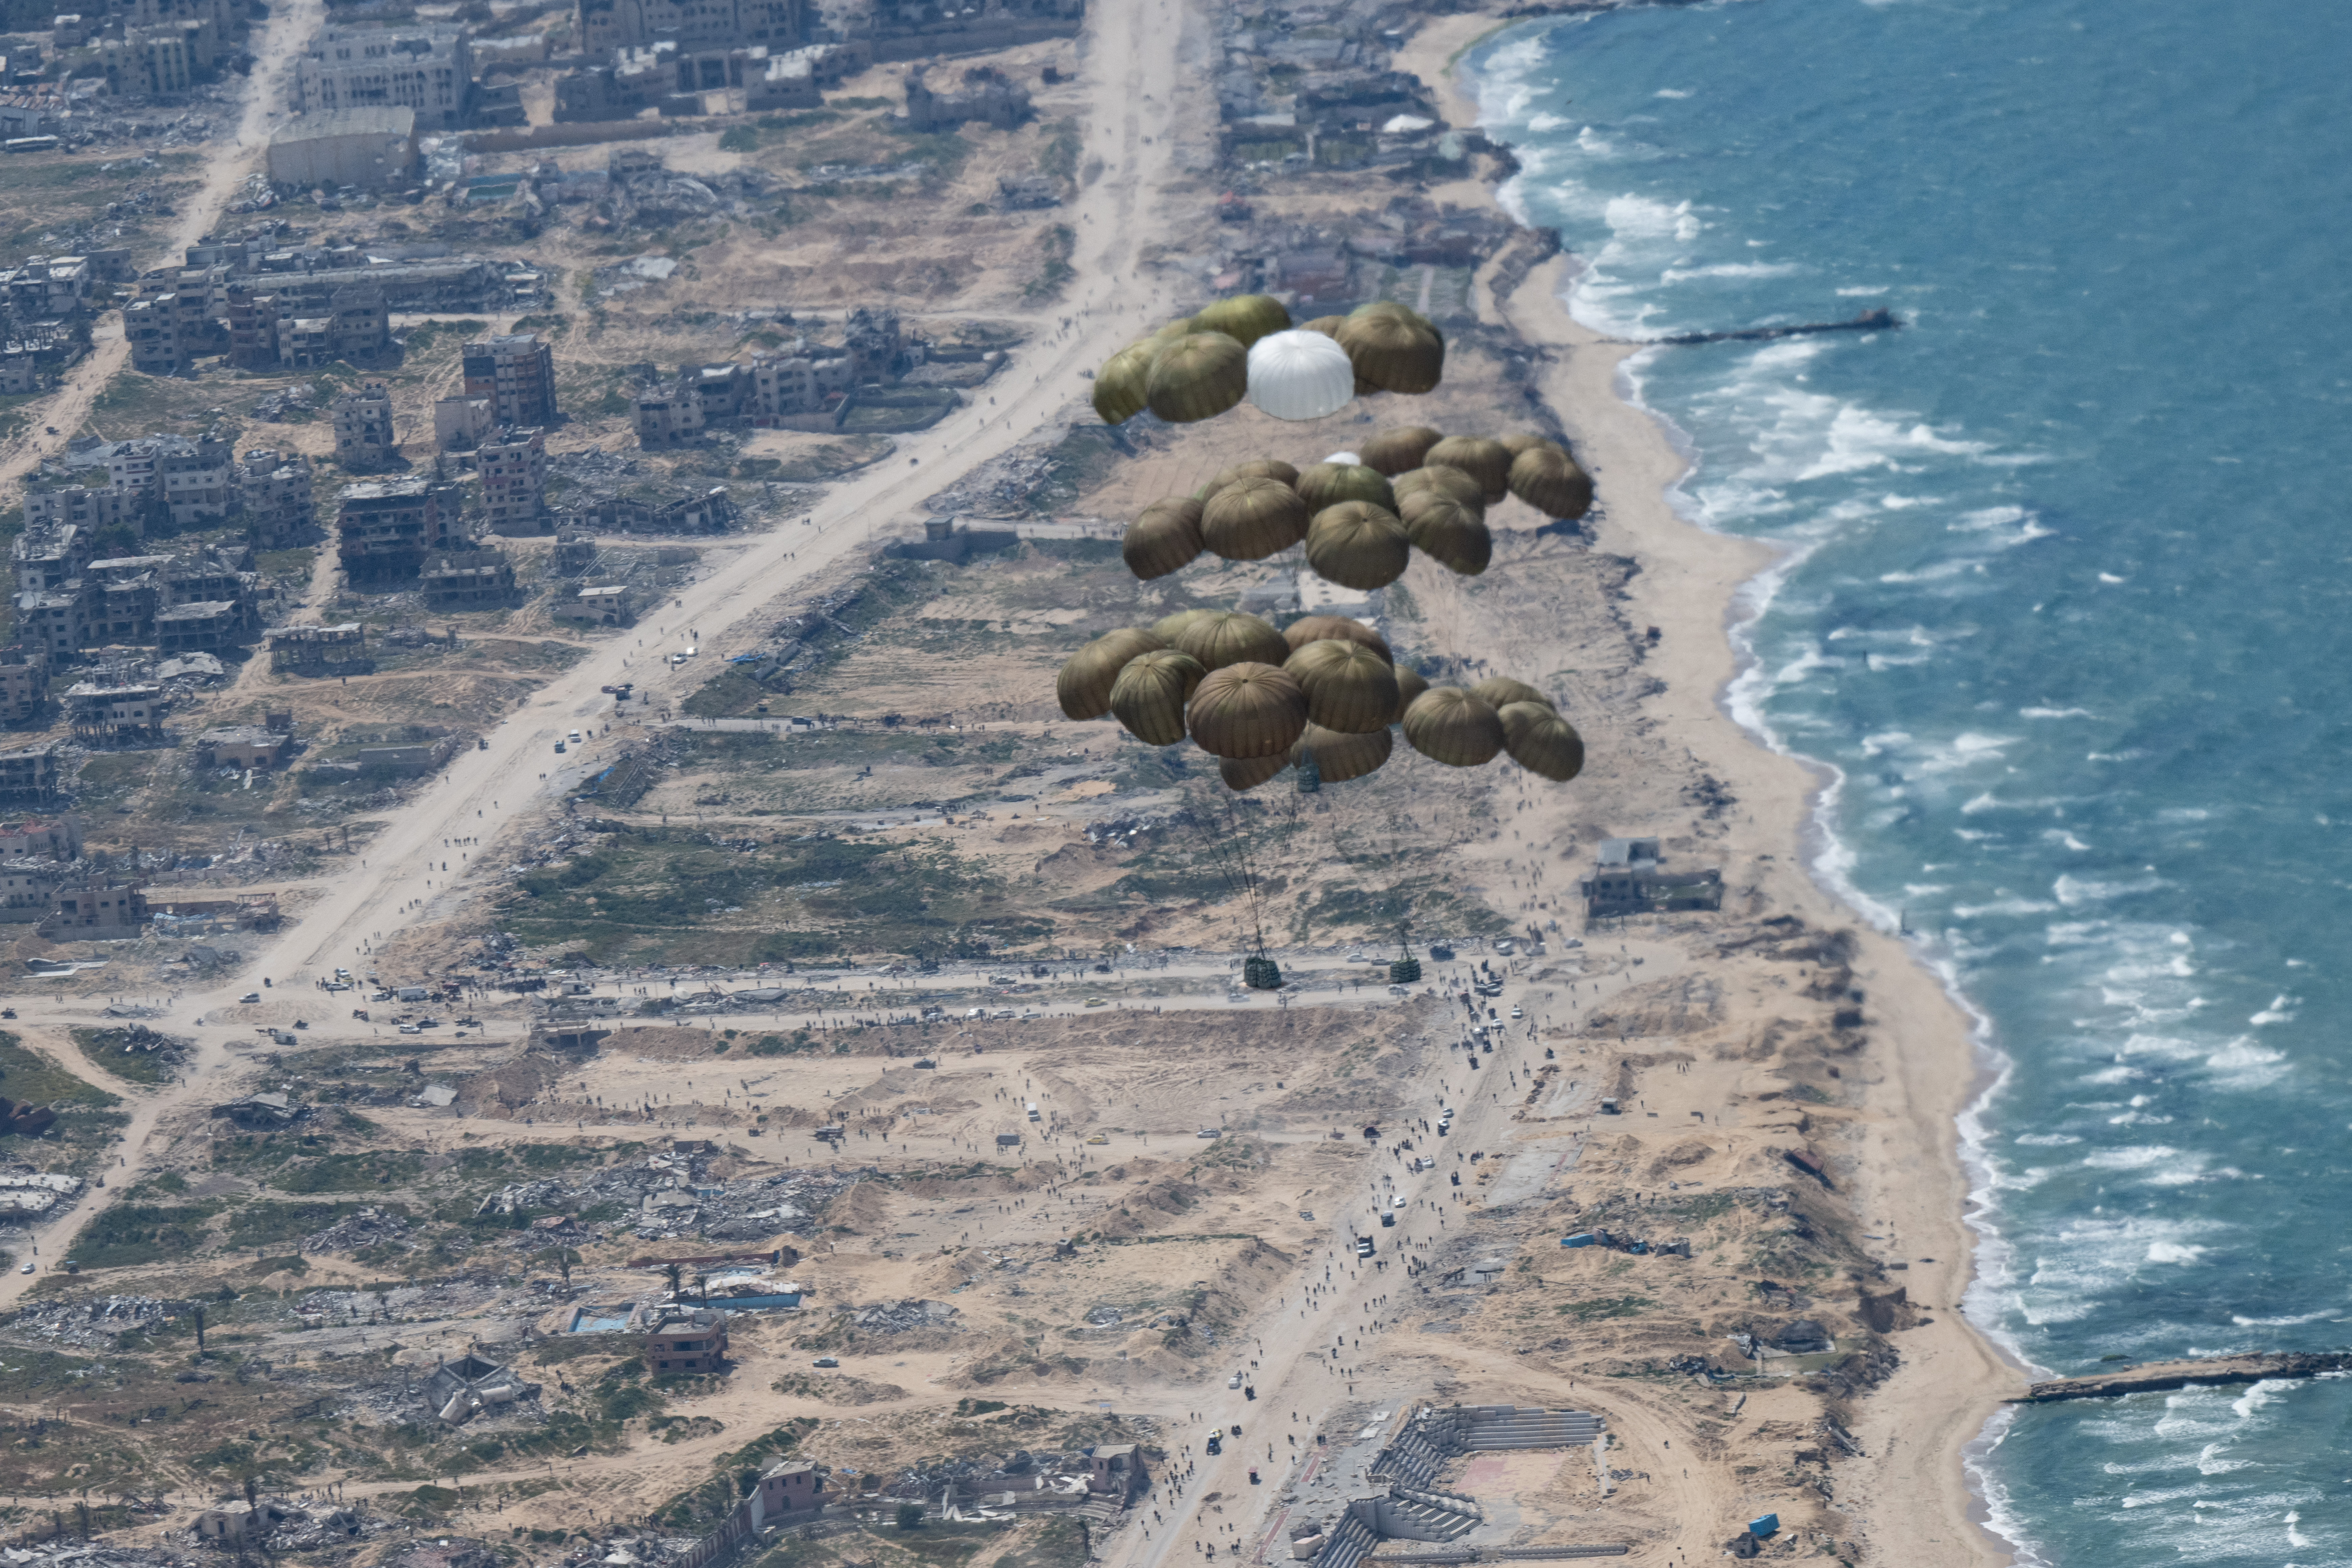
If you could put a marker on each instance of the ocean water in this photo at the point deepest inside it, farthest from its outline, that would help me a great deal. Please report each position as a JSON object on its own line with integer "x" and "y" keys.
{"x": 2064, "y": 605}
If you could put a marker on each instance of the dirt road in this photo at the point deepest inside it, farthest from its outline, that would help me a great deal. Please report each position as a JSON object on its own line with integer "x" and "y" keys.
{"x": 267, "y": 91}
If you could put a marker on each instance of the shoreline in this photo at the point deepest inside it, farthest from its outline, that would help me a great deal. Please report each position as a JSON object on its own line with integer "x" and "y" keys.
{"x": 1925, "y": 1430}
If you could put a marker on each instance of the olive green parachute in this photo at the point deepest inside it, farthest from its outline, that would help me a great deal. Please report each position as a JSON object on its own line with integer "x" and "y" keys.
{"x": 1118, "y": 386}
{"x": 1541, "y": 741}
{"x": 1149, "y": 695}
{"x": 1484, "y": 460}
{"x": 1498, "y": 689}
{"x": 1221, "y": 637}
{"x": 1083, "y": 686}
{"x": 1551, "y": 481}
{"x": 1316, "y": 629}
{"x": 1254, "y": 518}
{"x": 1449, "y": 725}
{"x": 1328, "y": 484}
{"x": 1358, "y": 545}
{"x": 1520, "y": 441}
{"x": 1248, "y": 709}
{"x": 1245, "y": 773}
{"x": 1254, "y": 469}
{"x": 1245, "y": 318}
{"x": 1450, "y": 482}
{"x": 1197, "y": 376}
{"x": 1398, "y": 449}
{"x": 1164, "y": 539}
{"x": 1392, "y": 348}
{"x": 1451, "y": 532}
{"x": 1349, "y": 689}
{"x": 1166, "y": 627}
{"x": 1341, "y": 756}
{"x": 1410, "y": 685}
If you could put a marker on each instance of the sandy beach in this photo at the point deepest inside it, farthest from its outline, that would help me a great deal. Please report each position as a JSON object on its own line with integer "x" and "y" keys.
{"x": 1907, "y": 1490}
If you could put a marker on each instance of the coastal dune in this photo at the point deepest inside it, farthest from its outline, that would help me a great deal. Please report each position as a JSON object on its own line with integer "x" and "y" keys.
{"x": 1907, "y": 1491}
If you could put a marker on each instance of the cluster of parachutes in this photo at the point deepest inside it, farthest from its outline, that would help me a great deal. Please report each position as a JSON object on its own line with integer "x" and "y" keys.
{"x": 1362, "y": 514}
{"x": 1246, "y": 347}
{"x": 1327, "y": 689}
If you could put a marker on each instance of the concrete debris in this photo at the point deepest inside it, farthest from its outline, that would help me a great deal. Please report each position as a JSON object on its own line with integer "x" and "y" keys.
{"x": 368, "y": 1227}
{"x": 262, "y": 1112}
{"x": 95, "y": 1324}
{"x": 902, "y": 1316}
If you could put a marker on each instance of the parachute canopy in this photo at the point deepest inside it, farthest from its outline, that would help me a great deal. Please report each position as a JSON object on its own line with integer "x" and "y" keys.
{"x": 1164, "y": 539}
{"x": 1197, "y": 376}
{"x": 1247, "y": 710}
{"x": 1299, "y": 376}
{"x": 1083, "y": 686}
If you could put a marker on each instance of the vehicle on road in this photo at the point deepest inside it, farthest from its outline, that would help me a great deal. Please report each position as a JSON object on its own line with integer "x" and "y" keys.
{"x": 559, "y": 748}
{"x": 1234, "y": 1381}
{"x": 826, "y": 1360}
{"x": 572, "y": 736}
{"x": 1215, "y": 1444}
{"x": 1364, "y": 1248}
{"x": 28, "y": 1269}
{"x": 1387, "y": 1221}
{"x": 1397, "y": 1201}
{"x": 1519, "y": 1012}
{"x": 250, "y": 997}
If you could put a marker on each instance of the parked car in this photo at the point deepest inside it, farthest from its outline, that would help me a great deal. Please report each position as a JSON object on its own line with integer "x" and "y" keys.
{"x": 250, "y": 997}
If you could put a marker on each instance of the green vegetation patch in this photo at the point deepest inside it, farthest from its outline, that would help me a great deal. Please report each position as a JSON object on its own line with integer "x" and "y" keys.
{"x": 1602, "y": 1307}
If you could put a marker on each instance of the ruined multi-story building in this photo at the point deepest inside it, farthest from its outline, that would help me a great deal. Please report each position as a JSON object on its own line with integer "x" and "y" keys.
{"x": 514, "y": 469}
{"x": 276, "y": 487}
{"x": 608, "y": 25}
{"x": 517, "y": 372}
{"x": 363, "y": 432}
{"x": 467, "y": 580}
{"x": 190, "y": 481}
{"x": 385, "y": 527}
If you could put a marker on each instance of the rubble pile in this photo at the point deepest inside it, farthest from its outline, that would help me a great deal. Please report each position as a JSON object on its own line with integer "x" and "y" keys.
{"x": 284, "y": 407}
{"x": 654, "y": 197}
{"x": 368, "y": 1227}
{"x": 98, "y": 1323}
{"x": 673, "y": 1196}
{"x": 904, "y": 1317}
{"x": 80, "y": 1554}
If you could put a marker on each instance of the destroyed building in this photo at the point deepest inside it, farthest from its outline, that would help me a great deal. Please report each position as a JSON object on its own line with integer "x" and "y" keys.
{"x": 988, "y": 95}
{"x": 512, "y": 465}
{"x": 516, "y": 373}
{"x": 467, "y": 580}
{"x": 914, "y": 29}
{"x": 1629, "y": 877}
{"x": 363, "y": 432}
{"x": 606, "y": 25}
{"x": 385, "y": 527}
{"x": 464, "y": 1388}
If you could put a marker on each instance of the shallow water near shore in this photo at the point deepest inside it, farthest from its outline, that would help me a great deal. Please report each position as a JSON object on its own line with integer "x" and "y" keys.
{"x": 2064, "y": 605}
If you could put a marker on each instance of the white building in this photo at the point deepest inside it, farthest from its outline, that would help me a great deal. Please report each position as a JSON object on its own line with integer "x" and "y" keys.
{"x": 430, "y": 70}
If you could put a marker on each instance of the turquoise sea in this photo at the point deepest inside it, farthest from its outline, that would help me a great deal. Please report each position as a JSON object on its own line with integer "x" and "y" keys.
{"x": 2064, "y": 605}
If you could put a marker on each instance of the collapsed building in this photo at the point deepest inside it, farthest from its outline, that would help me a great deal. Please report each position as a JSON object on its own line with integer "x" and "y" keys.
{"x": 190, "y": 601}
{"x": 269, "y": 307}
{"x": 805, "y": 387}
